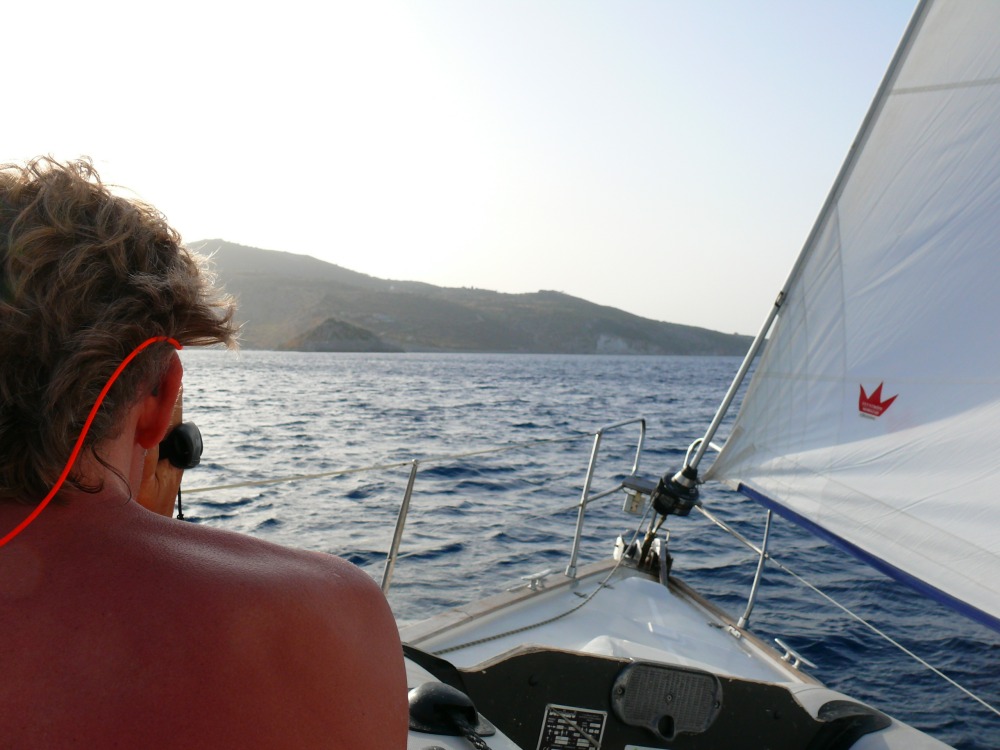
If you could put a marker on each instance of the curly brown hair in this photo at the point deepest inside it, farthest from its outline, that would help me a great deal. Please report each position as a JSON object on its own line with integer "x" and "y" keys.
{"x": 86, "y": 276}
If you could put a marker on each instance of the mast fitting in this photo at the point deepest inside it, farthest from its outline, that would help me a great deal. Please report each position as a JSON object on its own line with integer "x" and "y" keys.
{"x": 677, "y": 494}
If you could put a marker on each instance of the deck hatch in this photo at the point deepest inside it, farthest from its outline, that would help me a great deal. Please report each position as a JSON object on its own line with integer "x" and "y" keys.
{"x": 666, "y": 700}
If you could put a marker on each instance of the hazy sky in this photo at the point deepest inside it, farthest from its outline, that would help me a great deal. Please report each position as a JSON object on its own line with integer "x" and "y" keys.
{"x": 665, "y": 157}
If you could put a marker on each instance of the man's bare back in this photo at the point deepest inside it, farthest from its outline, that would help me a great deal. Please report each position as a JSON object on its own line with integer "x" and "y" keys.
{"x": 119, "y": 624}
{"x": 121, "y": 627}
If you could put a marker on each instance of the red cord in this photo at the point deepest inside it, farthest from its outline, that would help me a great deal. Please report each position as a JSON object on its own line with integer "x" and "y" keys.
{"x": 83, "y": 433}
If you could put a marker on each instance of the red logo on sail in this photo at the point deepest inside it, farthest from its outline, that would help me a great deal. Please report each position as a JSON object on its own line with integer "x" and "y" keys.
{"x": 873, "y": 406}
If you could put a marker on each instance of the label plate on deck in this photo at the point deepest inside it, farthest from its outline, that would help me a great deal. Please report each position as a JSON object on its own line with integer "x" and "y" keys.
{"x": 571, "y": 728}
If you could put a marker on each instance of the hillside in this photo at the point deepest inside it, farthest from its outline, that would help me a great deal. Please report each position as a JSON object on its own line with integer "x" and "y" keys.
{"x": 289, "y": 301}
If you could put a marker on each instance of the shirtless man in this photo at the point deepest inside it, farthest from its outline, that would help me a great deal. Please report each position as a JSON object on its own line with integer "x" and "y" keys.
{"x": 120, "y": 627}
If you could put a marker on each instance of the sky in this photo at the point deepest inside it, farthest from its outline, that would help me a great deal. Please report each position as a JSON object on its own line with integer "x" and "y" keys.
{"x": 665, "y": 157}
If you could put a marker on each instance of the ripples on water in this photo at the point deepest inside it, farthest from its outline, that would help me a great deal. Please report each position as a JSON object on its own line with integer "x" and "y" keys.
{"x": 478, "y": 525}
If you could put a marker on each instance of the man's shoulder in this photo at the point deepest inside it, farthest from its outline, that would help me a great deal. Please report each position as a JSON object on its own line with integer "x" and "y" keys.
{"x": 265, "y": 646}
{"x": 244, "y": 567}
{"x": 305, "y": 633}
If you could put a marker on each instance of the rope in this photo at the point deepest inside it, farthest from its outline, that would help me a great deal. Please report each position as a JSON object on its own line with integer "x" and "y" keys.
{"x": 297, "y": 477}
{"x": 466, "y": 729}
{"x": 532, "y": 626}
{"x": 477, "y": 742}
{"x": 383, "y": 467}
{"x": 558, "y": 617}
{"x": 877, "y": 631}
{"x": 888, "y": 638}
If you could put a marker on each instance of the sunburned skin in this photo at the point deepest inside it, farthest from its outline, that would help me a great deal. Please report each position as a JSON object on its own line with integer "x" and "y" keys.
{"x": 161, "y": 479}
{"x": 124, "y": 628}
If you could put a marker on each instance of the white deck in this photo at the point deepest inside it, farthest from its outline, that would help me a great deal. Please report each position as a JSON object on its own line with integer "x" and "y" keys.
{"x": 633, "y": 617}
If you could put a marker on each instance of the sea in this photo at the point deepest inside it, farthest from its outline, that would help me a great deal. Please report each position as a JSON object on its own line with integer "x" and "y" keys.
{"x": 316, "y": 450}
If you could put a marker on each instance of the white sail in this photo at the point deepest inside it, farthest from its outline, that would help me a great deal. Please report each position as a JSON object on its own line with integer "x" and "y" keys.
{"x": 874, "y": 413}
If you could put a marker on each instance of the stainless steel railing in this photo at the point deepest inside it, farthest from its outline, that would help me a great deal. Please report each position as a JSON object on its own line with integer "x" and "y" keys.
{"x": 585, "y": 499}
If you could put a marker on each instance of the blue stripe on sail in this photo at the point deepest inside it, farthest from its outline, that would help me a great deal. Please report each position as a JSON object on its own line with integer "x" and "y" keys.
{"x": 964, "y": 608}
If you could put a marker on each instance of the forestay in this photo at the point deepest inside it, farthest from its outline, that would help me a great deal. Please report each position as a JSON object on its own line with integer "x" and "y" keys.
{"x": 874, "y": 414}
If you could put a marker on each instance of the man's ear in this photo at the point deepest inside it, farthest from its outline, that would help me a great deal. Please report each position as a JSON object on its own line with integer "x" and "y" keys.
{"x": 157, "y": 407}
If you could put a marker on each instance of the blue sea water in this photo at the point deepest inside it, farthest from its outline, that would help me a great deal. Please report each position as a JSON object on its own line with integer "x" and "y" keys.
{"x": 478, "y": 524}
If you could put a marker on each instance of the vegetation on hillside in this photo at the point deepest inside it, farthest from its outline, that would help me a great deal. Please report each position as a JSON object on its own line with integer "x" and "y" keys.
{"x": 289, "y": 301}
